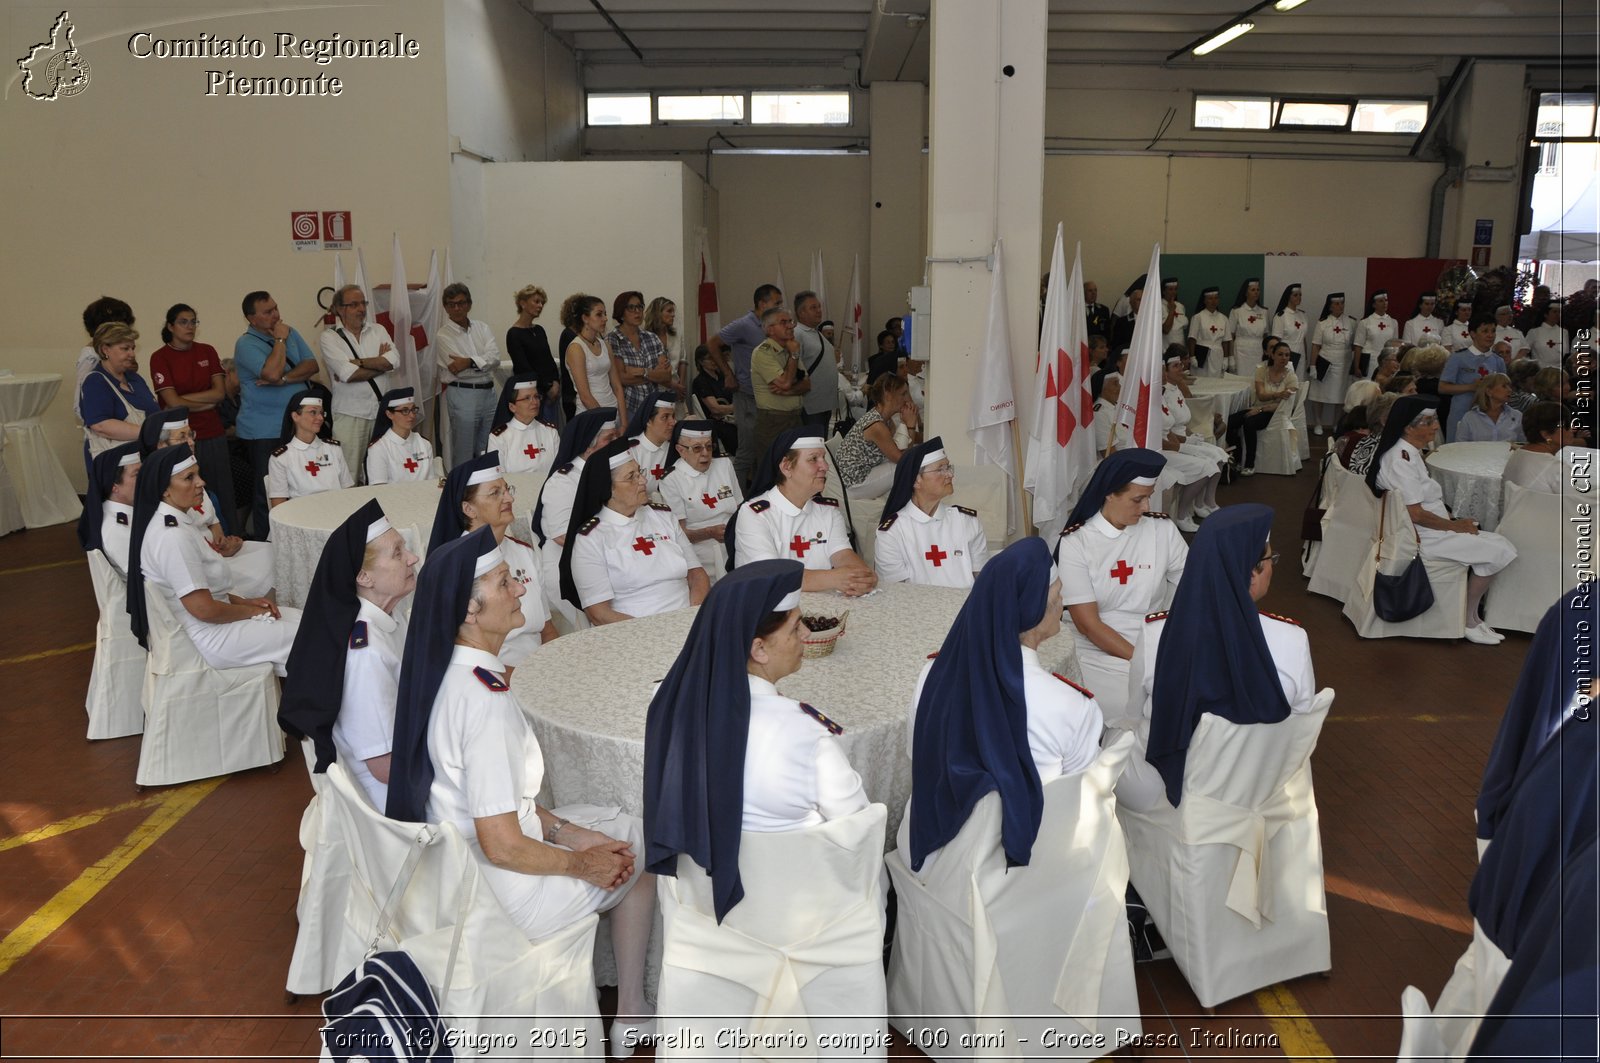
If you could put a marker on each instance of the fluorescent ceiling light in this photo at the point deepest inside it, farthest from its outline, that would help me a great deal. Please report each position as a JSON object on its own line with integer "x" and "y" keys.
{"x": 1287, "y": 5}
{"x": 1238, "y": 29}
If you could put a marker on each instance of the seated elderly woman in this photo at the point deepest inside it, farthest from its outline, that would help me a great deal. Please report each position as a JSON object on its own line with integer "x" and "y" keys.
{"x": 702, "y": 490}
{"x": 107, "y": 519}
{"x": 524, "y": 443}
{"x": 114, "y": 399}
{"x": 1543, "y": 464}
{"x": 923, "y": 539}
{"x": 1263, "y": 677}
{"x": 465, "y": 755}
{"x": 988, "y": 716}
{"x": 1522, "y": 371}
{"x": 250, "y": 565}
{"x": 869, "y": 451}
{"x": 584, "y": 434}
{"x": 624, "y": 555}
{"x": 1491, "y": 418}
{"x": 1398, "y": 467}
{"x": 168, "y": 554}
{"x": 1118, "y": 563}
{"x": 396, "y": 452}
{"x": 1192, "y": 463}
{"x": 650, "y": 438}
{"x": 308, "y": 460}
{"x": 788, "y": 516}
{"x": 476, "y": 494}
{"x": 724, "y": 752}
{"x": 1425, "y": 364}
{"x": 1356, "y": 449}
{"x": 344, "y": 669}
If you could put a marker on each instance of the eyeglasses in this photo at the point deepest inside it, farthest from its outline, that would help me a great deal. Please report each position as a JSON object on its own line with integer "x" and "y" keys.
{"x": 634, "y": 306}
{"x": 458, "y": 302}
{"x": 636, "y": 476}
{"x": 348, "y": 303}
{"x": 939, "y": 470}
{"x": 185, "y": 322}
{"x": 508, "y": 491}
{"x": 404, "y": 411}
{"x": 1270, "y": 559}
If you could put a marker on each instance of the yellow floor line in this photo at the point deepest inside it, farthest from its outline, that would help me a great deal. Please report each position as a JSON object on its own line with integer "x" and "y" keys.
{"x": 80, "y": 891}
{"x": 1296, "y": 1035}
{"x": 72, "y": 823}
{"x": 76, "y": 647}
{"x": 37, "y": 568}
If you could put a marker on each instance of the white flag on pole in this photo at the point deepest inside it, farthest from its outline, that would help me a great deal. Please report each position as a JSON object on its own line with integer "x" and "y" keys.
{"x": 819, "y": 283}
{"x": 994, "y": 403}
{"x": 405, "y": 348}
{"x": 1139, "y": 421}
{"x": 706, "y": 294}
{"x": 360, "y": 280}
{"x": 848, "y": 331}
{"x": 1052, "y": 473}
{"x": 782, "y": 287}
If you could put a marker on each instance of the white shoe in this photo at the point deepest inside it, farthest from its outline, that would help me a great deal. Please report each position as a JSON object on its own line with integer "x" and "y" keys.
{"x": 1187, "y": 524}
{"x": 1484, "y": 635}
{"x": 1248, "y": 470}
{"x": 1317, "y": 431}
{"x": 627, "y": 1036}
{"x": 1202, "y": 512}
{"x": 1484, "y": 624}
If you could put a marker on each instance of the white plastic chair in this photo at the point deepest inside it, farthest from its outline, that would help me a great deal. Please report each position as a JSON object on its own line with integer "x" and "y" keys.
{"x": 1349, "y": 528}
{"x": 1542, "y": 571}
{"x": 1445, "y": 619}
{"x": 800, "y": 957}
{"x": 201, "y": 721}
{"x": 117, "y": 674}
{"x": 1278, "y": 444}
{"x": 982, "y": 951}
{"x": 418, "y": 887}
{"x": 1233, "y": 875}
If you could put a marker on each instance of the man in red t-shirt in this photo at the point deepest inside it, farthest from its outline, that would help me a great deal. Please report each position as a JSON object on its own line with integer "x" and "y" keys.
{"x": 186, "y": 373}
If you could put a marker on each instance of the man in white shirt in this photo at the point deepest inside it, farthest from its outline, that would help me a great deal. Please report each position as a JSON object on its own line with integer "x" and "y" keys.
{"x": 818, "y": 360}
{"x": 357, "y": 357}
{"x": 467, "y": 356}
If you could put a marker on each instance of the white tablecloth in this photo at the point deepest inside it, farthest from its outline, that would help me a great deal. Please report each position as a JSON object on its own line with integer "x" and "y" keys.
{"x": 587, "y": 693}
{"x": 1471, "y": 476}
{"x": 42, "y": 488}
{"x": 301, "y": 526}
{"x": 1226, "y": 394}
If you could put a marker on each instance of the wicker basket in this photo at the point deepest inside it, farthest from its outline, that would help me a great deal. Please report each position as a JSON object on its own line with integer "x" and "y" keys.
{"x": 816, "y": 644}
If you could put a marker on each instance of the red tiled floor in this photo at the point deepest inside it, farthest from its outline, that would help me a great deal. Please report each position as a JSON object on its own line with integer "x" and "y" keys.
{"x": 203, "y": 922}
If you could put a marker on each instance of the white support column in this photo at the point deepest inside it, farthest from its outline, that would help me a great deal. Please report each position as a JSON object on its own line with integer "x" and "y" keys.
{"x": 899, "y": 208}
{"x": 985, "y": 179}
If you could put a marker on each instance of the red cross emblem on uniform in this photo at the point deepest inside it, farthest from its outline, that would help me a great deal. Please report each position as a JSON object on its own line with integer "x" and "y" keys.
{"x": 658, "y": 472}
{"x": 410, "y": 464}
{"x": 1213, "y": 329}
{"x": 311, "y": 467}
{"x": 936, "y": 555}
{"x": 1483, "y": 370}
{"x": 1382, "y": 326}
{"x": 1337, "y": 330}
{"x": 710, "y": 500}
{"x": 532, "y": 451}
{"x": 644, "y": 546}
{"x": 799, "y": 546}
{"x": 1297, "y": 324}
{"x": 1426, "y": 329}
{"x": 1549, "y": 343}
{"x": 1251, "y": 319}
{"x": 1122, "y": 572}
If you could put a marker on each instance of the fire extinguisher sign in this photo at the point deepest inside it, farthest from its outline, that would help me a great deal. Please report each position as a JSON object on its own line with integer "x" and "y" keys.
{"x": 336, "y": 234}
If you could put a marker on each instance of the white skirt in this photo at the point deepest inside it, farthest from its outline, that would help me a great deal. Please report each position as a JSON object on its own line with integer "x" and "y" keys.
{"x": 1486, "y": 552}
{"x": 244, "y": 642}
{"x": 544, "y": 904}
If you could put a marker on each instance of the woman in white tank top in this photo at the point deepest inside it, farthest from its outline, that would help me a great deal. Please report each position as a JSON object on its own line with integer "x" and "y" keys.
{"x": 588, "y": 358}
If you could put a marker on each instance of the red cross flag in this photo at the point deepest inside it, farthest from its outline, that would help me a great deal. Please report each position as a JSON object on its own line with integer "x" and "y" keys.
{"x": 1061, "y": 453}
{"x": 706, "y": 294}
{"x": 1138, "y": 410}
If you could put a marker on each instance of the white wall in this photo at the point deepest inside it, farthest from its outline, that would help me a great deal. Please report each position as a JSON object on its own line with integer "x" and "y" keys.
{"x": 144, "y": 188}
{"x": 592, "y": 227}
{"x": 515, "y": 91}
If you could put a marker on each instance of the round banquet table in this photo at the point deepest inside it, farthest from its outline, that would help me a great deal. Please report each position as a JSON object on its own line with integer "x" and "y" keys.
{"x": 1225, "y": 395}
{"x": 43, "y": 491}
{"x": 587, "y": 693}
{"x": 1471, "y": 475}
{"x": 301, "y": 526}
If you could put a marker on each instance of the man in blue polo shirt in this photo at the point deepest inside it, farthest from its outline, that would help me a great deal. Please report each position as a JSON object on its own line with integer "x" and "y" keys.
{"x": 272, "y": 360}
{"x": 742, "y": 337}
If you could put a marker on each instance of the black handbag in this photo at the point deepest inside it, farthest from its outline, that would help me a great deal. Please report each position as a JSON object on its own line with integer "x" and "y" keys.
{"x": 1322, "y": 366}
{"x": 1402, "y": 597}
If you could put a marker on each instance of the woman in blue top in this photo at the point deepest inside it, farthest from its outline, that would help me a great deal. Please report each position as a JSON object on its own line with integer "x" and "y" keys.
{"x": 1463, "y": 370}
{"x": 114, "y": 399}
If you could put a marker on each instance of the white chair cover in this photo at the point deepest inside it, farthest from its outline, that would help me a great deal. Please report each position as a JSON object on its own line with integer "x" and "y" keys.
{"x": 502, "y": 983}
{"x": 1349, "y": 528}
{"x": 1303, "y": 438}
{"x": 797, "y": 962}
{"x": 11, "y": 518}
{"x": 1465, "y": 998}
{"x": 118, "y": 670}
{"x": 1233, "y": 875}
{"x": 1445, "y": 619}
{"x": 324, "y": 889}
{"x": 993, "y": 955}
{"x": 1542, "y": 572}
{"x": 201, "y": 721}
{"x": 1278, "y": 444}
{"x": 1419, "y": 1035}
